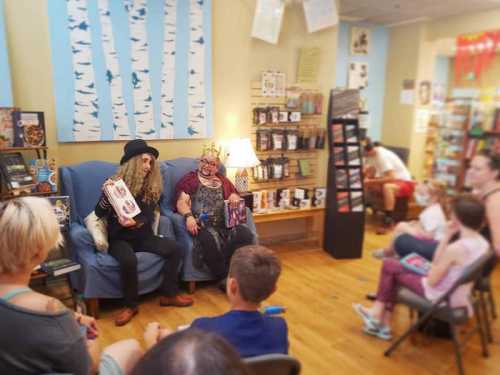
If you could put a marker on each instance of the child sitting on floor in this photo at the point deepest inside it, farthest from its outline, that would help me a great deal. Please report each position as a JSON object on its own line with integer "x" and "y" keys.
{"x": 431, "y": 221}
{"x": 253, "y": 275}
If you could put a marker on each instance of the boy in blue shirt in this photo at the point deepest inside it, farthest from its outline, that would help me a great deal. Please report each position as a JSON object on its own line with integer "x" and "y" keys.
{"x": 252, "y": 278}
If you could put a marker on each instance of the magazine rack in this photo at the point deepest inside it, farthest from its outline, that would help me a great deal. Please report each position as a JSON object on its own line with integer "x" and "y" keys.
{"x": 345, "y": 204}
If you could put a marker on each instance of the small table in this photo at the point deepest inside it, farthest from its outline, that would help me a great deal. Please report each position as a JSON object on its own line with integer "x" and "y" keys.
{"x": 314, "y": 218}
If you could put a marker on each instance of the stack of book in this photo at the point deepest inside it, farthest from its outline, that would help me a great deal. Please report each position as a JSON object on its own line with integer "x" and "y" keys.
{"x": 59, "y": 266}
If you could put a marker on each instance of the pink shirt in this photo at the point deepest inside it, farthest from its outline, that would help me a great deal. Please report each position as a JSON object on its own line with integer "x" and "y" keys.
{"x": 473, "y": 247}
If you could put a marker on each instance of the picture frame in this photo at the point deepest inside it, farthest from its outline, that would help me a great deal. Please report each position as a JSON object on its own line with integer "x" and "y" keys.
{"x": 360, "y": 41}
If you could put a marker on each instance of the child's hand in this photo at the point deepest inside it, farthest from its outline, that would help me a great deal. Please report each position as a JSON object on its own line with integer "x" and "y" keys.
{"x": 125, "y": 222}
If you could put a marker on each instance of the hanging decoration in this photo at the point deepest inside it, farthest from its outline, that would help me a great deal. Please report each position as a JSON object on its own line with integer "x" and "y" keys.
{"x": 475, "y": 53}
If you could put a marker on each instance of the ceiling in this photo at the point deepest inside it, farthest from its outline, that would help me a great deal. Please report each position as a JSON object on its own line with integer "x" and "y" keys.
{"x": 395, "y": 12}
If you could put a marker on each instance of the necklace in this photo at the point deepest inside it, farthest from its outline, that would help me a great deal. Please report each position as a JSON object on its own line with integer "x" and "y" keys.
{"x": 209, "y": 182}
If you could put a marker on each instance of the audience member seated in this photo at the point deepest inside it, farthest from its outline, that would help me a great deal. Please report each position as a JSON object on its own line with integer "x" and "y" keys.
{"x": 253, "y": 277}
{"x": 450, "y": 260}
{"x": 385, "y": 173}
{"x": 431, "y": 222}
{"x": 140, "y": 171}
{"x": 484, "y": 176}
{"x": 38, "y": 334}
{"x": 191, "y": 352}
{"x": 200, "y": 199}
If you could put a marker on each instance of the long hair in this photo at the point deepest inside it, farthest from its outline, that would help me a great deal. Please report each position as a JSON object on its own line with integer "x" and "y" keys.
{"x": 132, "y": 174}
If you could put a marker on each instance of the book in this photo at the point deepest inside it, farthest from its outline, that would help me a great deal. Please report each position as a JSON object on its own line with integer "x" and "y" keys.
{"x": 416, "y": 263}
{"x": 235, "y": 214}
{"x": 59, "y": 267}
{"x": 6, "y": 127}
{"x": 15, "y": 172}
{"x": 357, "y": 201}
{"x": 351, "y": 134}
{"x": 343, "y": 202}
{"x": 319, "y": 197}
{"x": 344, "y": 103}
{"x": 353, "y": 155}
{"x": 122, "y": 199}
{"x": 62, "y": 209}
{"x": 29, "y": 129}
{"x": 341, "y": 178}
{"x": 338, "y": 155}
{"x": 45, "y": 175}
{"x": 304, "y": 168}
{"x": 355, "y": 178}
{"x": 338, "y": 133}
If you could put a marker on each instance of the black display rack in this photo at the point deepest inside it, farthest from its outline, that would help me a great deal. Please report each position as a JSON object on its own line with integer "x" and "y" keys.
{"x": 345, "y": 201}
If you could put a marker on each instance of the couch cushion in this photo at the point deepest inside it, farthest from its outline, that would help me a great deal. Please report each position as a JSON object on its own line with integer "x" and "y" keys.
{"x": 83, "y": 183}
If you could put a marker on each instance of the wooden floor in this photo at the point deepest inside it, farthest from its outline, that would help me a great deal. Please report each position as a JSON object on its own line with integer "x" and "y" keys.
{"x": 325, "y": 334}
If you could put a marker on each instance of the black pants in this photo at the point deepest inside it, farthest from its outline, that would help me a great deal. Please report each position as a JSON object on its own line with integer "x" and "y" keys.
{"x": 124, "y": 252}
{"x": 217, "y": 253}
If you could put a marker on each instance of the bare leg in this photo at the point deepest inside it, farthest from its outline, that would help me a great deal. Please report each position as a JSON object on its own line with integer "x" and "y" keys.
{"x": 126, "y": 353}
{"x": 389, "y": 191}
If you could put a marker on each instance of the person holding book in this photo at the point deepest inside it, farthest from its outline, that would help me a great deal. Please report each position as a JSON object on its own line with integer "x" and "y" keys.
{"x": 484, "y": 176}
{"x": 39, "y": 335}
{"x": 200, "y": 197}
{"x": 449, "y": 262}
{"x": 253, "y": 277}
{"x": 431, "y": 222}
{"x": 141, "y": 174}
{"x": 386, "y": 173}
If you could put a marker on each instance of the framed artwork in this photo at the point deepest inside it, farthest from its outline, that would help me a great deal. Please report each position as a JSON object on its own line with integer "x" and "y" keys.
{"x": 358, "y": 75}
{"x": 424, "y": 93}
{"x": 124, "y": 69}
{"x": 360, "y": 41}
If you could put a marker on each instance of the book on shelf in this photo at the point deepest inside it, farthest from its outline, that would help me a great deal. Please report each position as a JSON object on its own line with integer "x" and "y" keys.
{"x": 59, "y": 266}
{"x": 235, "y": 213}
{"x": 45, "y": 174}
{"x": 304, "y": 167}
{"x": 122, "y": 199}
{"x": 29, "y": 129}
{"x": 416, "y": 263}
{"x": 344, "y": 103}
{"x": 343, "y": 202}
{"x": 341, "y": 179}
{"x": 14, "y": 171}
{"x": 62, "y": 209}
{"x": 351, "y": 133}
{"x": 338, "y": 155}
{"x": 6, "y": 127}
{"x": 338, "y": 133}
{"x": 319, "y": 197}
{"x": 353, "y": 155}
{"x": 357, "y": 201}
{"x": 355, "y": 178}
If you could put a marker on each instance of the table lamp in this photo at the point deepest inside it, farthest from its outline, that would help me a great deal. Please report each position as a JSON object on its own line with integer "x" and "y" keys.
{"x": 241, "y": 156}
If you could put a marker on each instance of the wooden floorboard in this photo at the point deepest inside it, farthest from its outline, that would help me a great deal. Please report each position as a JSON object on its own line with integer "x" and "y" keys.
{"x": 325, "y": 334}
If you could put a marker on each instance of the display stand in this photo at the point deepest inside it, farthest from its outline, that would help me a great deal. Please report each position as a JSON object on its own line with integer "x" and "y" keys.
{"x": 345, "y": 203}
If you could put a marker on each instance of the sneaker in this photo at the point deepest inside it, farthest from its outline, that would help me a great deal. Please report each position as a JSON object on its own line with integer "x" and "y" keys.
{"x": 368, "y": 320}
{"x": 383, "y": 333}
{"x": 379, "y": 254}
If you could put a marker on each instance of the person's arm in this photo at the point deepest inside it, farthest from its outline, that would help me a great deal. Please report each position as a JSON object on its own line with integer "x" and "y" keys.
{"x": 450, "y": 231}
{"x": 493, "y": 216}
{"x": 184, "y": 208}
{"x": 387, "y": 177}
{"x": 441, "y": 265}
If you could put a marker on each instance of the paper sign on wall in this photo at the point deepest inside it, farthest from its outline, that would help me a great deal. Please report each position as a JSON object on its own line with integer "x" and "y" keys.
{"x": 320, "y": 14}
{"x": 267, "y": 20}
{"x": 308, "y": 65}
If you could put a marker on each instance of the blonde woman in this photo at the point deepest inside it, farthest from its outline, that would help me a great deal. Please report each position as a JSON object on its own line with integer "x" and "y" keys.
{"x": 38, "y": 334}
{"x": 141, "y": 173}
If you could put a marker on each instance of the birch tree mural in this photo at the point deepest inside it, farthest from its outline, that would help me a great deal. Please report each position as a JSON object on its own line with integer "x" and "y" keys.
{"x": 101, "y": 44}
{"x": 113, "y": 77}
{"x": 196, "y": 61}
{"x": 86, "y": 124}
{"x": 143, "y": 107}
{"x": 168, "y": 71}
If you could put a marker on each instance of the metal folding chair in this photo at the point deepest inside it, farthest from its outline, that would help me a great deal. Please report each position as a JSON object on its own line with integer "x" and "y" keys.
{"x": 442, "y": 310}
{"x": 273, "y": 364}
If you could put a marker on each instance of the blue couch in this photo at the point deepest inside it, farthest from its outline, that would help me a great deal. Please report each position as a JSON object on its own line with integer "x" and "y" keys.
{"x": 172, "y": 171}
{"x": 100, "y": 277}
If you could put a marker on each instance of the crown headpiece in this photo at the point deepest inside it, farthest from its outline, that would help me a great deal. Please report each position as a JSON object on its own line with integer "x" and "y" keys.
{"x": 211, "y": 150}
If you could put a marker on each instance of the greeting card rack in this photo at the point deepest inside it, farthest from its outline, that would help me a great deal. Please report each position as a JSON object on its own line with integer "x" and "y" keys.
{"x": 345, "y": 203}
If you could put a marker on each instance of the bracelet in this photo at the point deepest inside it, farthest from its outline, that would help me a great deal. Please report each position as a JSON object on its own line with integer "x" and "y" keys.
{"x": 188, "y": 214}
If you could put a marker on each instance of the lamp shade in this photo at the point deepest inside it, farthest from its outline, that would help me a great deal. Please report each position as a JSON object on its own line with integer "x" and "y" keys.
{"x": 241, "y": 154}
